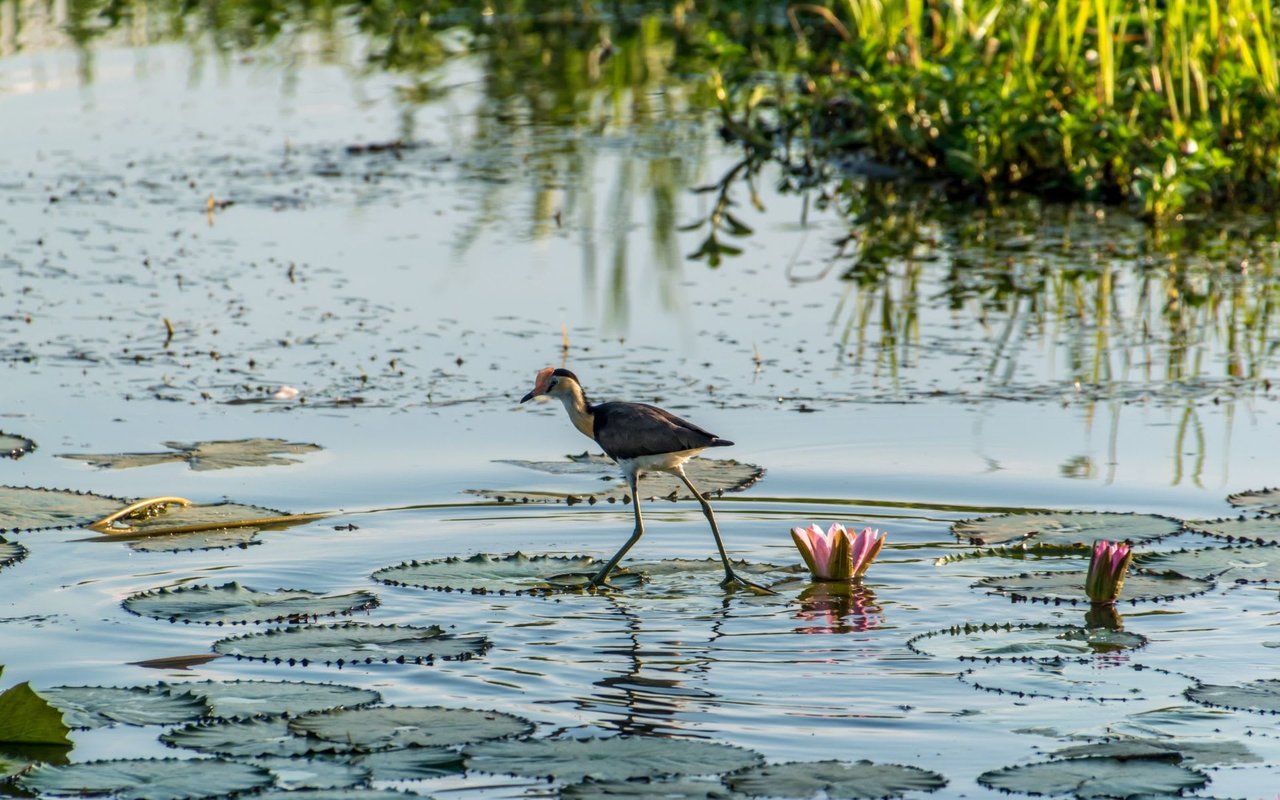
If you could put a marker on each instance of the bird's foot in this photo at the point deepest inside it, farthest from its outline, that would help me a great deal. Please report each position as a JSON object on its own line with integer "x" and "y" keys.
{"x": 734, "y": 579}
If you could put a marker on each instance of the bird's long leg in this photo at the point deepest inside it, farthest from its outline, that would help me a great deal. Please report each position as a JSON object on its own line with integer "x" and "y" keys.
{"x": 633, "y": 479}
{"x": 730, "y": 576}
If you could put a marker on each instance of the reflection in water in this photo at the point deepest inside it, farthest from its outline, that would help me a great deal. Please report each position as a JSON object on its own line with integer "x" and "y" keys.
{"x": 838, "y": 607}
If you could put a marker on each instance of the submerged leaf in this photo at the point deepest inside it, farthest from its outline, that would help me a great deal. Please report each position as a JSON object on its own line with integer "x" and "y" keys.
{"x": 1252, "y": 564}
{"x": 410, "y": 726}
{"x": 15, "y": 447}
{"x": 836, "y": 780}
{"x": 1067, "y": 528}
{"x": 231, "y": 699}
{"x": 27, "y": 718}
{"x": 613, "y": 759}
{"x": 1023, "y": 642}
{"x": 1260, "y": 696}
{"x": 232, "y": 603}
{"x": 1076, "y": 680}
{"x": 223, "y": 454}
{"x": 147, "y": 779}
{"x": 1069, "y": 586}
{"x": 96, "y": 706}
{"x": 259, "y": 736}
{"x": 353, "y": 643}
{"x": 25, "y": 509}
{"x": 1089, "y": 778}
{"x": 712, "y": 476}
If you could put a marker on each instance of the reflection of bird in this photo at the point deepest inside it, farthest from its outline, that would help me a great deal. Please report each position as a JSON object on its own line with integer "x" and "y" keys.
{"x": 641, "y": 438}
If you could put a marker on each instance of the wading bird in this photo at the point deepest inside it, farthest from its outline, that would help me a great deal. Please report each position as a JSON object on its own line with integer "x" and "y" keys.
{"x": 640, "y": 438}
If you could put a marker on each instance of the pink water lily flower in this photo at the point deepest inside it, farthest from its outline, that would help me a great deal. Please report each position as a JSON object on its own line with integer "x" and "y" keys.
{"x": 837, "y": 554}
{"x": 1107, "y": 569}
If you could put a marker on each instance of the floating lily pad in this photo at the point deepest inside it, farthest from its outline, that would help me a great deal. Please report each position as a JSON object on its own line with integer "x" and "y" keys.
{"x": 201, "y": 456}
{"x": 26, "y": 509}
{"x": 1260, "y": 696}
{"x": 147, "y": 779}
{"x": 162, "y": 519}
{"x": 314, "y": 772}
{"x": 1089, "y": 778}
{"x": 1066, "y": 528}
{"x": 1069, "y": 586}
{"x": 664, "y": 788}
{"x": 353, "y": 643}
{"x": 412, "y": 763}
{"x": 1252, "y": 564}
{"x": 1023, "y": 642}
{"x": 1259, "y": 530}
{"x": 1187, "y": 752}
{"x": 95, "y": 706}
{"x": 260, "y": 736}
{"x": 1266, "y": 501}
{"x": 15, "y": 447}
{"x": 410, "y": 726}
{"x": 1075, "y": 680}
{"x": 232, "y": 603}
{"x": 613, "y": 759}
{"x": 835, "y": 780}
{"x": 340, "y": 794}
{"x": 221, "y": 539}
{"x": 11, "y": 553}
{"x": 515, "y": 573}
{"x": 232, "y": 699}
{"x": 712, "y": 476}
{"x": 1019, "y": 551}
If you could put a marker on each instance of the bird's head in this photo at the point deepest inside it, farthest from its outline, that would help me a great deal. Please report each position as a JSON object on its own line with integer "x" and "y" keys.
{"x": 552, "y": 382}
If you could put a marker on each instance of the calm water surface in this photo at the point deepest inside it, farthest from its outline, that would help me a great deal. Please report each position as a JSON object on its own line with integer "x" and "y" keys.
{"x": 411, "y": 294}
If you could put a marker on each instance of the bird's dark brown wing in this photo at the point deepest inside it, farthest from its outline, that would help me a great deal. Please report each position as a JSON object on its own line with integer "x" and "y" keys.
{"x": 630, "y": 430}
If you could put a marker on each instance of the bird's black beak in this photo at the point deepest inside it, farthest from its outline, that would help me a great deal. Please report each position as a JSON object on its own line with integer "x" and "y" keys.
{"x": 532, "y": 394}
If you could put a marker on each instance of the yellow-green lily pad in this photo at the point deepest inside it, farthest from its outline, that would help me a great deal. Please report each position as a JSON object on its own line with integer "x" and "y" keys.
{"x": 1066, "y": 528}
{"x": 353, "y": 643}
{"x": 202, "y": 456}
{"x": 234, "y": 604}
{"x": 612, "y": 759}
{"x": 836, "y": 780}
{"x": 394, "y": 727}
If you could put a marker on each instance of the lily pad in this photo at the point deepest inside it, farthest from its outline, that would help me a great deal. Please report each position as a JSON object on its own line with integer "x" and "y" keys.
{"x": 1266, "y": 501}
{"x": 1075, "y": 680}
{"x": 412, "y": 763}
{"x": 96, "y": 706}
{"x": 232, "y": 603}
{"x": 1069, "y": 587}
{"x": 1258, "y": 530}
{"x": 1249, "y": 564}
{"x": 1019, "y": 551}
{"x": 201, "y": 456}
{"x": 163, "y": 520}
{"x": 315, "y": 772}
{"x": 353, "y": 643}
{"x": 835, "y": 780}
{"x": 515, "y": 573}
{"x": 340, "y": 794}
{"x": 15, "y": 447}
{"x": 1067, "y": 528}
{"x": 1023, "y": 642}
{"x": 147, "y": 779}
{"x": 1186, "y": 751}
{"x": 11, "y": 553}
{"x": 410, "y": 726}
{"x": 712, "y": 476}
{"x": 613, "y": 759}
{"x": 23, "y": 508}
{"x": 220, "y": 539}
{"x": 1260, "y": 696}
{"x": 664, "y": 788}
{"x": 260, "y": 736}
{"x": 233, "y": 699}
{"x": 1089, "y": 778}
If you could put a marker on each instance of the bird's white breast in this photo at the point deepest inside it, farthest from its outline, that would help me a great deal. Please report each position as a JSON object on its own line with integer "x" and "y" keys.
{"x": 660, "y": 462}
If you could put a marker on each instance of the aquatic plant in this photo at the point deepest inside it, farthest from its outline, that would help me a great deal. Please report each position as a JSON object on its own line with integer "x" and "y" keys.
{"x": 837, "y": 554}
{"x": 1107, "y": 570}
